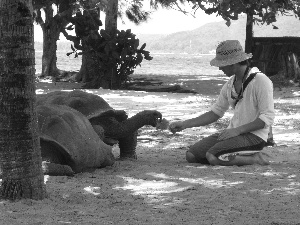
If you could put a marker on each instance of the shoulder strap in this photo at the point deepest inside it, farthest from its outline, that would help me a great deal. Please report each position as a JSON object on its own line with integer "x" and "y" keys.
{"x": 245, "y": 84}
{"x": 247, "y": 81}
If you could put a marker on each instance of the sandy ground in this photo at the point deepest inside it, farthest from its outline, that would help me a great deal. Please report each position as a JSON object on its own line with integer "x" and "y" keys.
{"x": 161, "y": 187}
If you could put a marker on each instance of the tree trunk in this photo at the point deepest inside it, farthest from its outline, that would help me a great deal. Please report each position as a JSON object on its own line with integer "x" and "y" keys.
{"x": 51, "y": 31}
{"x": 249, "y": 33}
{"x": 90, "y": 72}
{"x": 111, "y": 17}
{"x": 49, "y": 58}
{"x": 20, "y": 156}
{"x": 111, "y": 27}
{"x": 83, "y": 74}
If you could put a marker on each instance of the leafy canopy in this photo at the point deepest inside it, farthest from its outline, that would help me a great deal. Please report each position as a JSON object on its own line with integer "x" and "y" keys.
{"x": 264, "y": 11}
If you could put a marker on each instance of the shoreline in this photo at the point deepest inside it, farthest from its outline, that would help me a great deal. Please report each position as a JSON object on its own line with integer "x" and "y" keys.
{"x": 193, "y": 84}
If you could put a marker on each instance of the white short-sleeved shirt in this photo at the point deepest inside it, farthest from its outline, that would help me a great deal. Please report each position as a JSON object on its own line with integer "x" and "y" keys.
{"x": 257, "y": 102}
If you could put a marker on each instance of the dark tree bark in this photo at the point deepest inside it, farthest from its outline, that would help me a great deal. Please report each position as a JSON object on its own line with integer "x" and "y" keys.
{"x": 249, "y": 33}
{"x": 20, "y": 156}
{"x": 90, "y": 71}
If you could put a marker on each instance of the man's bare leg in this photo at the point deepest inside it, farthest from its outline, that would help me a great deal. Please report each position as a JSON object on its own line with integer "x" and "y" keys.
{"x": 238, "y": 160}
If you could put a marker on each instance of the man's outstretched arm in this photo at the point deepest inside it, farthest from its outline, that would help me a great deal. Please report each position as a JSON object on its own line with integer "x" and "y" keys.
{"x": 202, "y": 120}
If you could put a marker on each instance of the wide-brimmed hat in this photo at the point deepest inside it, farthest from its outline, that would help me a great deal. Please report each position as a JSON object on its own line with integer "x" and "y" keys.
{"x": 228, "y": 53}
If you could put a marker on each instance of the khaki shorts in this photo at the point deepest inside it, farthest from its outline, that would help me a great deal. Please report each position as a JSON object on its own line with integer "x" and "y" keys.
{"x": 244, "y": 142}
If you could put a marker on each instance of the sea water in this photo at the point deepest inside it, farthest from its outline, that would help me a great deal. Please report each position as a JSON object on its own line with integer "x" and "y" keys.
{"x": 161, "y": 64}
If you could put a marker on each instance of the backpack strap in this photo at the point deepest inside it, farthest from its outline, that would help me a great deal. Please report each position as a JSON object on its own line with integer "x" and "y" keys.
{"x": 245, "y": 84}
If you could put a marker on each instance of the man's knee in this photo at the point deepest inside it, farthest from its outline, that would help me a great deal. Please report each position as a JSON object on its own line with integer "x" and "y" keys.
{"x": 190, "y": 157}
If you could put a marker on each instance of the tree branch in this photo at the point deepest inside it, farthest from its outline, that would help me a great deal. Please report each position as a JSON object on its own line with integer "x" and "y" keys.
{"x": 72, "y": 38}
{"x": 39, "y": 20}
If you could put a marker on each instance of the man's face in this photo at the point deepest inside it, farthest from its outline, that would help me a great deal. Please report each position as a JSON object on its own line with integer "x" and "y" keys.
{"x": 228, "y": 70}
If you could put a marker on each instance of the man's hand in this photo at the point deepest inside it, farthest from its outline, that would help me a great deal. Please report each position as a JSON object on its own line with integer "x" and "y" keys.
{"x": 163, "y": 124}
{"x": 176, "y": 127}
{"x": 228, "y": 133}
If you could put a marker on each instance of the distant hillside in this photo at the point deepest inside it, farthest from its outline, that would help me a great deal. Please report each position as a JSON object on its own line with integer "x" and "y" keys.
{"x": 206, "y": 37}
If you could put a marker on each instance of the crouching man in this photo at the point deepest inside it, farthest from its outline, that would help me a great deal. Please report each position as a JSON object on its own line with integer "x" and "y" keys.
{"x": 250, "y": 94}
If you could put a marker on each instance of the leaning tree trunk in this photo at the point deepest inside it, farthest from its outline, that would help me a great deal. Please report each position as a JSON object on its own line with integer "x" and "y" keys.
{"x": 20, "y": 156}
{"x": 51, "y": 31}
{"x": 49, "y": 58}
{"x": 51, "y": 28}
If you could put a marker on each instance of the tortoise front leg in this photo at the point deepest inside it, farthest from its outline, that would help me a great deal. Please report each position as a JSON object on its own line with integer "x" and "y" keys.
{"x": 128, "y": 145}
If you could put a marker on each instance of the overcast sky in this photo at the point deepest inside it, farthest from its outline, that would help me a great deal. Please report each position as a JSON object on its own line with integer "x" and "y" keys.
{"x": 170, "y": 21}
{"x": 162, "y": 21}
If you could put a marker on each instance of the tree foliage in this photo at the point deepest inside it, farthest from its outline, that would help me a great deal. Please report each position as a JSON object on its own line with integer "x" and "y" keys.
{"x": 109, "y": 50}
{"x": 121, "y": 50}
{"x": 133, "y": 10}
{"x": 264, "y": 11}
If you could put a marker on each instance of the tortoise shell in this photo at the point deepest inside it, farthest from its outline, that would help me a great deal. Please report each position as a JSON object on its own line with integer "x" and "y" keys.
{"x": 67, "y": 135}
{"x": 88, "y": 104}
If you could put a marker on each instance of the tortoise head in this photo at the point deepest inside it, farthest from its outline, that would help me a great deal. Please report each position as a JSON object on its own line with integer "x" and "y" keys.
{"x": 150, "y": 117}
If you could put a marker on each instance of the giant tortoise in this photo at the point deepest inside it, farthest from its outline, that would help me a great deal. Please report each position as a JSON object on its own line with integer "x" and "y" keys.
{"x": 68, "y": 141}
{"x": 79, "y": 111}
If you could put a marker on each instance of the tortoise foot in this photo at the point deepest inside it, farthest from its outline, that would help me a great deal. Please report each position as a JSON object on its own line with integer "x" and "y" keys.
{"x": 128, "y": 156}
